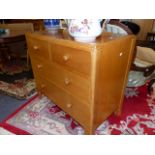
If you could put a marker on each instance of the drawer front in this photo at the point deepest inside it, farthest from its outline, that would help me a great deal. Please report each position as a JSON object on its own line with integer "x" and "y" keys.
{"x": 37, "y": 66}
{"x": 72, "y": 58}
{"x": 73, "y": 84}
{"x": 38, "y": 48}
{"x": 78, "y": 110}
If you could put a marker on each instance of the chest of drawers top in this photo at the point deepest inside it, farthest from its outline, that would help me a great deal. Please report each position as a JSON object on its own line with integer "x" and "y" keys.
{"x": 63, "y": 36}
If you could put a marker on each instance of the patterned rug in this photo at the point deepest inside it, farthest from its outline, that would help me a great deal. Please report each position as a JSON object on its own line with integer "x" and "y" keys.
{"x": 5, "y": 132}
{"x": 21, "y": 89}
{"x": 16, "y": 79}
{"x": 40, "y": 116}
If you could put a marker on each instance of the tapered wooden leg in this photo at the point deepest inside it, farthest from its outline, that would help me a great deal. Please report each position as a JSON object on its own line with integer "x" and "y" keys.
{"x": 89, "y": 131}
{"x": 40, "y": 94}
{"x": 118, "y": 112}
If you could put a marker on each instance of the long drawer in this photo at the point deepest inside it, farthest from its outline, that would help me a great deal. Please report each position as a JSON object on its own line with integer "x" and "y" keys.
{"x": 72, "y": 58}
{"x": 72, "y": 83}
{"x": 38, "y": 48}
{"x": 78, "y": 110}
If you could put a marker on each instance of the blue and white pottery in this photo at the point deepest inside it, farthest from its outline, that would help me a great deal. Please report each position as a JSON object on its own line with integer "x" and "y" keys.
{"x": 52, "y": 25}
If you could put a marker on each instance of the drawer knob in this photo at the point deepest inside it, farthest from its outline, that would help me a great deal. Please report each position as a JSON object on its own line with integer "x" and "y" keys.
{"x": 120, "y": 54}
{"x": 66, "y": 57}
{"x": 67, "y": 81}
{"x": 39, "y": 66}
{"x": 69, "y": 105}
{"x": 35, "y": 47}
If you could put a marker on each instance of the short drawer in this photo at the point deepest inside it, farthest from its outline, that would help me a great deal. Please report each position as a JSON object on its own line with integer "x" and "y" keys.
{"x": 72, "y": 83}
{"x": 78, "y": 110}
{"x": 73, "y": 58}
{"x": 38, "y": 48}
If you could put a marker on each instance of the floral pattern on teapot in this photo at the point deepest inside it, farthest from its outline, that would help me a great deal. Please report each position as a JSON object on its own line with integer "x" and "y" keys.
{"x": 85, "y": 29}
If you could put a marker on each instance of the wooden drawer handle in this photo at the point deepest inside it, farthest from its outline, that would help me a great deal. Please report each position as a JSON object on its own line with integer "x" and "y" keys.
{"x": 39, "y": 66}
{"x": 67, "y": 81}
{"x": 66, "y": 57}
{"x": 35, "y": 47}
{"x": 120, "y": 54}
{"x": 69, "y": 105}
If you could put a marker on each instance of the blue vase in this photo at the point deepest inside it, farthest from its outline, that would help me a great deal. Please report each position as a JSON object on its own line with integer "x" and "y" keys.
{"x": 51, "y": 23}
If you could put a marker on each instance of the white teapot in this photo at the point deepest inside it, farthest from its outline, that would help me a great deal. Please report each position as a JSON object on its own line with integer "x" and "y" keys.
{"x": 84, "y": 30}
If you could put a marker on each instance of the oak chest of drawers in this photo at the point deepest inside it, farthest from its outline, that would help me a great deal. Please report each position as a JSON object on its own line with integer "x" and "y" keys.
{"x": 86, "y": 80}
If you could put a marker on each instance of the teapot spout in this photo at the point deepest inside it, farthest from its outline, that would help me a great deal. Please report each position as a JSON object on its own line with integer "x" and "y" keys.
{"x": 67, "y": 21}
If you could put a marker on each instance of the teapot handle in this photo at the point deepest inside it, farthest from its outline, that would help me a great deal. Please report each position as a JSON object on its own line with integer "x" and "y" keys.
{"x": 104, "y": 23}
